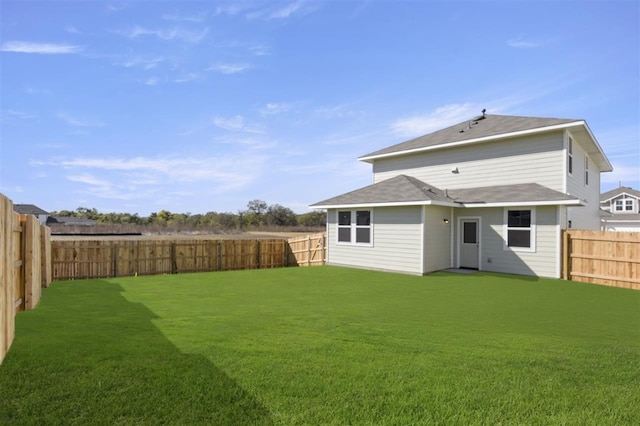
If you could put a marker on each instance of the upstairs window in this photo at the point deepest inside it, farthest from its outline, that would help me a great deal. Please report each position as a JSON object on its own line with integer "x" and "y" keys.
{"x": 354, "y": 227}
{"x": 570, "y": 156}
{"x": 586, "y": 170}
{"x": 520, "y": 230}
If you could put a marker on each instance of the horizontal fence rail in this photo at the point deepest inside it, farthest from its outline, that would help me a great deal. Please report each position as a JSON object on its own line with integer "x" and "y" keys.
{"x": 79, "y": 259}
{"x": 118, "y": 258}
{"x": 602, "y": 257}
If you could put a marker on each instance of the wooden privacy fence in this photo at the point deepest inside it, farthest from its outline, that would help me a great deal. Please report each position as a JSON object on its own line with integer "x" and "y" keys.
{"x": 120, "y": 258}
{"x": 310, "y": 250}
{"x": 25, "y": 259}
{"x": 602, "y": 257}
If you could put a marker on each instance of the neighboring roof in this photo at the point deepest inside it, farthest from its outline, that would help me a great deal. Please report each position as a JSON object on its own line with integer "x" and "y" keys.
{"x": 623, "y": 218}
{"x": 405, "y": 190}
{"x": 491, "y": 127}
{"x": 70, "y": 220}
{"x": 28, "y": 209}
{"x": 606, "y": 196}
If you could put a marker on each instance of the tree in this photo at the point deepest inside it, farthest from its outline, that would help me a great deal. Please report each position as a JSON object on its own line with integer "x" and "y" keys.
{"x": 314, "y": 218}
{"x": 278, "y": 215}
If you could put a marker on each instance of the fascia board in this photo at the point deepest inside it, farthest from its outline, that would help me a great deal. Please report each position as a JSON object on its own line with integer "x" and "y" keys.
{"x": 526, "y": 204}
{"x": 609, "y": 166}
{"x": 371, "y": 158}
{"x": 391, "y": 204}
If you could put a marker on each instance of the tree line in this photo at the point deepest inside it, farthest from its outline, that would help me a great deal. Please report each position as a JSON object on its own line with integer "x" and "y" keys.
{"x": 257, "y": 214}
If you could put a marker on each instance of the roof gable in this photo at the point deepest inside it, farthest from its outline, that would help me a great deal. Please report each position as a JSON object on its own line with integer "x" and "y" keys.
{"x": 491, "y": 127}
{"x": 477, "y": 128}
{"x": 623, "y": 190}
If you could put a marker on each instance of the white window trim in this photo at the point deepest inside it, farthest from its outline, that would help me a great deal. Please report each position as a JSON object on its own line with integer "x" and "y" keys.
{"x": 623, "y": 205}
{"x": 532, "y": 229}
{"x": 570, "y": 156}
{"x": 586, "y": 170}
{"x": 353, "y": 227}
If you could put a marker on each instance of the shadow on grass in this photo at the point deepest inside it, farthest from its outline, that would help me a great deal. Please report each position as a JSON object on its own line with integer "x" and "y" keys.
{"x": 86, "y": 355}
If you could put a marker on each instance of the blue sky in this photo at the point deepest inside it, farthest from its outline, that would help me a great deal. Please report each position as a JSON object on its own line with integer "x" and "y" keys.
{"x": 203, "y": 106}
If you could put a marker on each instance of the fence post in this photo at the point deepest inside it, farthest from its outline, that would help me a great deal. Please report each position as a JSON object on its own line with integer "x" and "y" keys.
{"x": 115, "y": 260}
{"x": 566, "y": 254}
{"x": 172, "y": 255}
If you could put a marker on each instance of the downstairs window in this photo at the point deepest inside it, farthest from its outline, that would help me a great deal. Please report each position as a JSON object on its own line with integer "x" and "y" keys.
{"x": 520, "y": 229}
{"x": 354, "y": 227}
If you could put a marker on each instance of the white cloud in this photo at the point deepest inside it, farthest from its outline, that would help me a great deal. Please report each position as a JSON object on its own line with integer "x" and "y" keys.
{"x": 152, "y": 81}
{"x": 521, "y": 43}
{"x": 78, "y": 122}
{"x": 224, "y": 172}
{"x": 229, "y": 68}
{"x": 17, "y": 115}
{"x": 236, "y": 123}
{"x": 39, "y": 48}
{"x": 72, "y": 30}
{"x": 439, "y": 118}
{"x": 144, "y": 63}
{"x": 274, "y": 108}
{"x": 285, "y": 11}
{"x": 186, "y": 77}
{"x": 167, "y": 34}
{"x": 197, "y": 18}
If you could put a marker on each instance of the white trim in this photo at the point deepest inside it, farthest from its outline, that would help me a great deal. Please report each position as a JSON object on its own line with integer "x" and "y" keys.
{"x": 423, "y": 218}
{"x": 574, "y": 202}
{"x": 558, "y": 267}
{"x": 533, "y": 236}
{"x": 353, "y": 227}
{"x": 387, "y": 204}
{"x": 477, "y": 140}
{"x": 452, "y": 242}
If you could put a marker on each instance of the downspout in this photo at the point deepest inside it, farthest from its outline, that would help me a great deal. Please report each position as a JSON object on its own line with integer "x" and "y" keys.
{"x": 451, "y": 231}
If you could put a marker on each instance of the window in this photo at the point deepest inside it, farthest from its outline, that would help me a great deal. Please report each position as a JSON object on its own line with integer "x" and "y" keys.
{"x": 354, "y": 227}
{"x": 624, "y": 205}
{"x": 570, "y": 156}
{"x": 520, "y": 230}
{"x": 586, "y": 170}
{"x": 344, "y": 227}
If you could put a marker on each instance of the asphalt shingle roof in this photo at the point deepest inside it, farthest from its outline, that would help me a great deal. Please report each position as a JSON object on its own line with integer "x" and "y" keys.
{"x": 406, "y": 190}
{"x": 476, "y": 128}
{"x": 619, "y": 191}
{"x": 28, "y": 209}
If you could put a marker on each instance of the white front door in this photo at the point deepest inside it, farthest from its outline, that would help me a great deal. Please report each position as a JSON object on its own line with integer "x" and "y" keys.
{"x": 469, "y": 233}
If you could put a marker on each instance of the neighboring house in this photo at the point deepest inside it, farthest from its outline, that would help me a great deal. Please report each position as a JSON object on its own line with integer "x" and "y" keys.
{"x": 45, "y": 217}
{"x": 623, "y": 206}
{"x": 42, "y": 215}
{"x": 492, "y": 193}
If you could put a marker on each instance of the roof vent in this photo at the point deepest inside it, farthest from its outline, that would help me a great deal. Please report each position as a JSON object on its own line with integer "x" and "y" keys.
{"x": 484, "y": 110}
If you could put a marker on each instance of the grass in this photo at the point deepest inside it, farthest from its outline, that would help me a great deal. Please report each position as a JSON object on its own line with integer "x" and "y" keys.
{"x": 325, "y": 345}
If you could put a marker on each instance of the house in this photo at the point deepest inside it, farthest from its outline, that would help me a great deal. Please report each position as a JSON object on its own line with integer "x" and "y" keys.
{"x": 42, "y": 215}
{"x": 45, "y": 217}
{"x": 623, "y": 206}
{"x": 491, "y": 193}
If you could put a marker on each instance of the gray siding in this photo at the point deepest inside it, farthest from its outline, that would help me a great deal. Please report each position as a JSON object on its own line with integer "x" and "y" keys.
{"x": 537, "y": 158}
{"x": 588, "y": 216}
{"x": 543, "y": 262}
{"x": 437, "y": 238}
{"x": 397, "y": 242}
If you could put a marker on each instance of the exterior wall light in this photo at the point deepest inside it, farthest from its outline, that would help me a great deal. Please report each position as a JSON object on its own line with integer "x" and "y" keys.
{"x": 445, "y": 220}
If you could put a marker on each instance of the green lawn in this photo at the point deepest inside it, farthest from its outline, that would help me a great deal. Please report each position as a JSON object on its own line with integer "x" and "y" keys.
{"x": 325, "y": 345}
